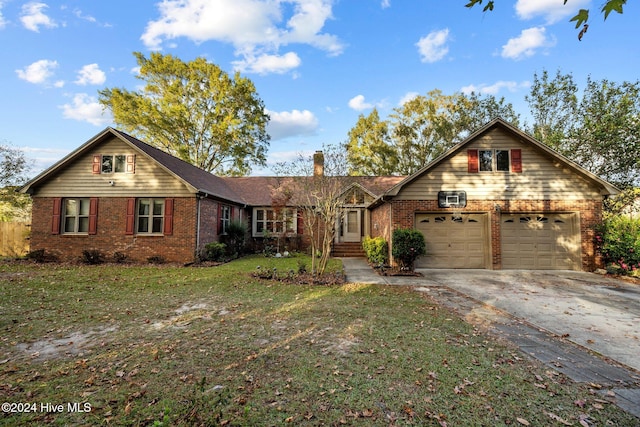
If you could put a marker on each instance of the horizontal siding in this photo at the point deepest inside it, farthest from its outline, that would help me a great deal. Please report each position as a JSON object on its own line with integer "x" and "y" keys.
{"x": 77, "y": 179}
{"x": 542, "y": 177}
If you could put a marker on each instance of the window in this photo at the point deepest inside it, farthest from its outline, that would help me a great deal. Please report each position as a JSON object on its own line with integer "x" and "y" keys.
{"x": 225, "y": 218}
{"x": 114, "y": 163}
{"x": 494, "y": 161}
{"x": 274, "y": 221}
{"x": 486, "y": 160}
{"x": 75, "y": 216}
{"x": 150, "y": 216}
{"x": 121, "y": 164}
{"x": 107, "y": 164}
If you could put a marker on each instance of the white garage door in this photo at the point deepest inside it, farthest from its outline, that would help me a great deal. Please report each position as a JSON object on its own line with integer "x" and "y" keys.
{"x": 540, "y": 241}
{"x": 454, "y": 241}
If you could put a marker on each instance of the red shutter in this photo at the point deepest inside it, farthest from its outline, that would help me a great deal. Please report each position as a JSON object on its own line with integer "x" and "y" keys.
{"x": 93, "y": 215}
{"x": 131, "y": 163}
{"x": 516, "y": 161}
{"x": 97, "y": 161}
{"x": 55, "y": 218}
{"x": 300, "y": 225}
{"x": 168, "y": 217}
{"x": 131, "y": 216}
{"x": 472, "y": 159}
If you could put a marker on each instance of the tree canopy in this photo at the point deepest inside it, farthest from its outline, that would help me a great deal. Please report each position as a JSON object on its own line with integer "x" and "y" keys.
{"x": 195, "y": 111}
{"x": 419, "y": 131}
{"x": 13, "y": 169}
{"x": 599, "y": 130}
{"x": 580, "y": 19}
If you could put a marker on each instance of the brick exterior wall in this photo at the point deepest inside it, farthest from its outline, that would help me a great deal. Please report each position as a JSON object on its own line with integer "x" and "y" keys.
{"x": 401, "y": 214}
{"x": 110, "y": 237}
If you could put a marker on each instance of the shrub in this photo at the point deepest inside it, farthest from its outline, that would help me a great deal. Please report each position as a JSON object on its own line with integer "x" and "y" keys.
{"x": 215, "y": 251}
{"x": 408, "y": 245}
{"x": 119, "y": 257}
{"x": 235, "y": 238}
{"x": 376, "y": 250}
{"x": 92, "y": 257}
{"x": 156, "y": 259}
{"x": 618, "y": 240}
{"x": 40, "y": 256}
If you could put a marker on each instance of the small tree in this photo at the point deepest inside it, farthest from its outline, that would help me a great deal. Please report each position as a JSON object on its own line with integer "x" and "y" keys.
{"x": 235, "y": 239}
{"x": 13, "y": 166}
{"x": 407, "y": 246}
{"x": 316, "y": 196}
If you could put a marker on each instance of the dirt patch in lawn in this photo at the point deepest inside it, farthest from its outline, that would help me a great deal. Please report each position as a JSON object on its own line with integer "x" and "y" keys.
{"x": 74, "y": 344}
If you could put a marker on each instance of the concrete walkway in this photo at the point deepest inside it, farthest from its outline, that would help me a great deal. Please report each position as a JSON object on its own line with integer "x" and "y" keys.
{"x": 581, "y": 324}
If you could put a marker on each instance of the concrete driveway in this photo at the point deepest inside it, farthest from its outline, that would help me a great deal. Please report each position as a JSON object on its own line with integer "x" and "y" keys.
{"x": 593, "y": 311}
{"x": 596, "y": 312}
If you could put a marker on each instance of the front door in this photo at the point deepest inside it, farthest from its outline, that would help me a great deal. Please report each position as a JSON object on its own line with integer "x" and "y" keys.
{"x": 352, "y": 225}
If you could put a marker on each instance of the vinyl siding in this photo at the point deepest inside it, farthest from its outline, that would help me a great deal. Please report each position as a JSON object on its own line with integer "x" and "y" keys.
{"x": 542, "y": 177}
{"x": 78, "y": 180}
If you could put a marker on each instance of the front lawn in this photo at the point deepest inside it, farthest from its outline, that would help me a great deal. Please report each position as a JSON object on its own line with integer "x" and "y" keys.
{"x": 161, "y": 345}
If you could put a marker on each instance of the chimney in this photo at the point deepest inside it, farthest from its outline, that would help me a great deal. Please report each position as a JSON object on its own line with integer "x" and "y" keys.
{"x": 318, "y": 163}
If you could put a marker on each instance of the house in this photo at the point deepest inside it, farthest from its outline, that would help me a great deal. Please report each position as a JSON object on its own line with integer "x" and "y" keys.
{"x": 499, "y": 199}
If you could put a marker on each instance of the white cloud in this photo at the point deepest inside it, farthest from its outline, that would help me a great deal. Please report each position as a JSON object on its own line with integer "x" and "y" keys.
{"x": 85, "y": 108}
{"x": 33, "y": 17}
{"x": 38, "y": 72}
{"x": 526, "y": 44}
{"x": 407, "y": 97}
{"x": 357, "y": 103}
{"x": 432, "y": 47}
{"x": 495, "y": 88}
{"x": 3, "y": 22}
{"x": 91, "y": 74}
{"x": 265, "y": 64}
{"x": 552, "y": 10}
{"x": 385, "y": 4}
{"x": 286, "y": 124}
{"x": 256, "y": 28}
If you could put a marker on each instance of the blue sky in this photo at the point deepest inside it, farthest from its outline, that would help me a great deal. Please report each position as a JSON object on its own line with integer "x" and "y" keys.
{"x": 317, "y": 64}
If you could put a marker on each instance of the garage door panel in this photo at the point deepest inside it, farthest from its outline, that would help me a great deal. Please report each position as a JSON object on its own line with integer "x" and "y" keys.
{"x": 540, "y": 241}
{"x": 454, "y": 242}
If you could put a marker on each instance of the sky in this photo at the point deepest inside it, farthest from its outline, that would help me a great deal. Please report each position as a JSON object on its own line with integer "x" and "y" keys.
{"x": 316, "y": 64}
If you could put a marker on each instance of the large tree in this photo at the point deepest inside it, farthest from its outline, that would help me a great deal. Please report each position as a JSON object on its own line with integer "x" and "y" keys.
{"x": 13, "y": 169}
{"x": 599, "y": 130}
{"x": 369, "y": 149}
{"x": 195, "y": 111}
{"x": 581, "y": 18}
{"x": 419, "y": 131}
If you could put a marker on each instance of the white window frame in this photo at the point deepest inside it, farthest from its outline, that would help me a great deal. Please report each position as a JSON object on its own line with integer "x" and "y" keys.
{"x": 78, "y": 216}
{"x": 270, "y": 221}
{"x": 150, "y": 216}
{"x": 494, "y": 160}
{"x": 118, "y": 163}
{"x": 225, "y": 218}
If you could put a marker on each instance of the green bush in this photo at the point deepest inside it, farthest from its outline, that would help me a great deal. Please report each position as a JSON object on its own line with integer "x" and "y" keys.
{"x": 215, "y": 251}
{"x": 92, "y": 257}
{"x": 408, "y": 245}
{"x": 376, "y": 250}
{"x": 618, "y": 240}
{"x": 235, "y": 238}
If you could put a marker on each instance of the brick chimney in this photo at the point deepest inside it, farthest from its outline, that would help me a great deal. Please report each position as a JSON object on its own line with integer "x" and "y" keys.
{"x": 318, "y": 163}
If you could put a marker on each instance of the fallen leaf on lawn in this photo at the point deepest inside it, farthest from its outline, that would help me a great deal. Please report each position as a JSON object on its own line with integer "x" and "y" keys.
{"x": 523, "y": 421}
{"x": 557, "y": 418}
{"x": 597, "y": 406}
{"x": 580, "y": 403}
{"x": 367, "y": 413}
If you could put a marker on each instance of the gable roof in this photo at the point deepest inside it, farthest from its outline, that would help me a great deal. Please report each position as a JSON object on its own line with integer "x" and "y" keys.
{"x": 197, "y": 179}
{"x": 606, "y": 187}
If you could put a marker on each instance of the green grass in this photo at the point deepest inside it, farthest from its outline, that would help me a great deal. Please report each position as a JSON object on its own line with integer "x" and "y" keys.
{"x": 168, "y": 345}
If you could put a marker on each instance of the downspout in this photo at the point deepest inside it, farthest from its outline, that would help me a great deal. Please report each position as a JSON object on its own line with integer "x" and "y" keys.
{"x": 199, "y": 199}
